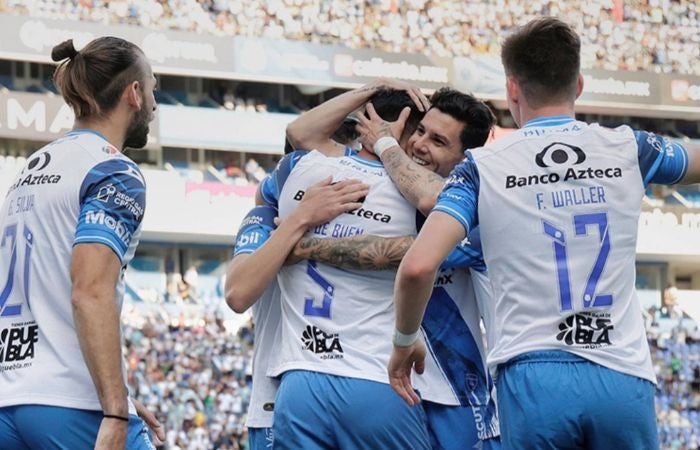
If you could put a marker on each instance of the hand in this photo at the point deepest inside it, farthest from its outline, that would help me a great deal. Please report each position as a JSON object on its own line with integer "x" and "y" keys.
{"x": 421, "y": 101}
{"x": 112, "y": 434}
{"x": 326, "y": 200}
{"x": 373, "y": 128}
{"x": 403, "y": 359}
{"x": 150, "y": 420}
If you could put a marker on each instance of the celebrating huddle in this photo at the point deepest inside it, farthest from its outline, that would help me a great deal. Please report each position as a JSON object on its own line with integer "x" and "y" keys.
{"x": 412, "y": 286}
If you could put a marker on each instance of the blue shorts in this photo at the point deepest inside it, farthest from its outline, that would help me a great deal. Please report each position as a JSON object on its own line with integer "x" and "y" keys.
{"x": 557, "y": 400}
{"x": 454, "y": 428}
{"x": 315, "y": 411}
{"x": 260, "y": 438}
{"x": 29, "y": 427}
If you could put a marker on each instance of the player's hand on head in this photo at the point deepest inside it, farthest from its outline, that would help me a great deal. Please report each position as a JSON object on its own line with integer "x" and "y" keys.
{"x": 403, "y": 361}
{"x": 413, "y": 91}
{"x": 373, "y": 128}
{"x": 325, "y": 200}
{"x": 112, "y": 434}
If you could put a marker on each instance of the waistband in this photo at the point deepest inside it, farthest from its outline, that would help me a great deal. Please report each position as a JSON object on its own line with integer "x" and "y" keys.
{"x": 545, "y": 356}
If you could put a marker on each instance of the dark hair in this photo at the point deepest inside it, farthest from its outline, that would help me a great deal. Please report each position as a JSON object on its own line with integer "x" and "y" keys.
{"x": 544, "y": 56}
{"x": 346, "y": 132}
{"x": 92, "y": 80}
{"x": 390, "y": 102}
{"x": 477, "y": 117}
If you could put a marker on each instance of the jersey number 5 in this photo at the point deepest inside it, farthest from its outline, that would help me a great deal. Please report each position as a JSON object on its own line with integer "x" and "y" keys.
{"x": 328, "y": 291}
{"x": 581, "y": 222}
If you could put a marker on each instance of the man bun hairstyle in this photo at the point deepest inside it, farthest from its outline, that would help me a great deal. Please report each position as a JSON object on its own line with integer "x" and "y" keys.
{"x": 93, "y": 79}
{"x": 64, "y": 50}
{"x": 544, "y": 56}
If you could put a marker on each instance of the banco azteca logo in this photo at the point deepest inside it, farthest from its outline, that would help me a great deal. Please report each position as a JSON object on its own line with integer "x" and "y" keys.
{"x": 587, "y": 330}
{"x": 559, "y": 153}
{"x": 318, "y": 341}
{"x": 39, "y": 162}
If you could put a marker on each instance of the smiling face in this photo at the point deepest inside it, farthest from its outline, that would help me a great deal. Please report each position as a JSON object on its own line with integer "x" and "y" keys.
{"x": 436, "y": 143}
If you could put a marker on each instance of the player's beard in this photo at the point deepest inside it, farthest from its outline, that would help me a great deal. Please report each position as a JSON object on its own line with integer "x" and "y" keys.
{"x": 137, "y": 133}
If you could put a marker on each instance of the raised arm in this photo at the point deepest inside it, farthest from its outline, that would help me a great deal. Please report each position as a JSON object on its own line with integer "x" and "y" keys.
{"x": 313, "y": 129}
{"x": 417, "y": 184}
{"x": 366, "y": 252}
{"x": 254, "y": 266}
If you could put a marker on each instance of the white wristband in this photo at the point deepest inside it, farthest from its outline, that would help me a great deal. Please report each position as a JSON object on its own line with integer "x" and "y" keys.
{"x": 404, "y": 340}
{"x": 384, "y": 143}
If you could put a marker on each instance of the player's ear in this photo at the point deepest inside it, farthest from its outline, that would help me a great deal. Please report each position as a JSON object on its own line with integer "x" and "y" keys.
{"x": 513, "y": 89}
{"x": 579, "y": 85}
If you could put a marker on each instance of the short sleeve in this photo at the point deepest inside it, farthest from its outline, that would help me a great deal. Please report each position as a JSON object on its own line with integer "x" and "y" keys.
{"x": 112, "y": 205}
{"x": 661, "y": 160}
{"x": 459, "y": 197}
{"x": 272, "y": 185}
{"x": 255, "y": 230}
{"x": 467, "y": 254}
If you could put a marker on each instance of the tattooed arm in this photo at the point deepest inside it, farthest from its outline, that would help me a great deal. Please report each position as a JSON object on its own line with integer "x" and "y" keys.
{"x": 366, "y": 252}
{"x": 418, "y": 185}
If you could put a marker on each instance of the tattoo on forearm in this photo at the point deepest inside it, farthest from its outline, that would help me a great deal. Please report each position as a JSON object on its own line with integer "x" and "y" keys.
{"x": 414, "y": 182}
{"x": 358, "y": 252}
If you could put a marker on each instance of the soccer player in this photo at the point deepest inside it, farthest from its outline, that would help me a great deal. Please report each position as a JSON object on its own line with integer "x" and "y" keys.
{"x": 557, "y": 203}
{"x": 68, "y": 228}
{"x": 329, "y": 352}
{"x": 456, "y": 387}
{"x": 251, "y": 282}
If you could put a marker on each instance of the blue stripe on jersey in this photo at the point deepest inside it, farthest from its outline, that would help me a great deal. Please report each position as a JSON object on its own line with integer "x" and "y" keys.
{"x": 349, "y": 151}
{"x": 455, "y": 349}
{"x": 661, "y": 160}
{"x": 367, "y": 162}
{"x": 255, "y": 229}
{"x": 459, "y": 198}
{"x": 550, "y": 121}
{"x": 271, "y": 186}
{"x": 468, "y": 254}
{"x": 112, "y": 203}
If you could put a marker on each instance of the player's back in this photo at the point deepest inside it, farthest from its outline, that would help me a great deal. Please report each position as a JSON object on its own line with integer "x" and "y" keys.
{"x": 340, "y": 321}
{"x": 558, "y": 207}
{"x": 71, "y": 191}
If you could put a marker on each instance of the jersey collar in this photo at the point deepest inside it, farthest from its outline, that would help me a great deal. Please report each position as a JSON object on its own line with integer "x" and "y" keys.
{"x": 86, "y": 130}
{"x": 549, "y": 121}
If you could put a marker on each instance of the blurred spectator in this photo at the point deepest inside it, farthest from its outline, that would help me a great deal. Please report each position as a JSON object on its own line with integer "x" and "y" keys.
{"x": 655, "y": 35}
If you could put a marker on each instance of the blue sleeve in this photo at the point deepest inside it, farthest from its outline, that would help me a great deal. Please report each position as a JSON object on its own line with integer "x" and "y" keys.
{"x": 255, "y": 230}
{"x": 112, "y": 203}
{"x": 272, "y": 185}
{"x": 467, "y": 254}
{"x": 661, "y": 160}
{"x": 459, "y": 197}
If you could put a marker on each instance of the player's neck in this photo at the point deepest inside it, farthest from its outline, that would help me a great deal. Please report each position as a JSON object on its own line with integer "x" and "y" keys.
{"x": 108, "y": 132}
{"x": 364, "y": 154}
{"x": 528, "y": 114}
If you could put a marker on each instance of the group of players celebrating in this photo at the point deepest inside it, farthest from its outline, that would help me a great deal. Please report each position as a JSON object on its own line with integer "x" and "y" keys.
{"x": 351, "y": 353}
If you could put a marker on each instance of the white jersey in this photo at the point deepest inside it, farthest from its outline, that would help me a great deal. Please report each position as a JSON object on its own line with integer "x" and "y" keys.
{"x": 78, "y": 189}
{"x": 266, "y": 319}
{"x": 455, "y": 368}
{"x": 558, "y": 203}
{"x": 254, "y": 231}
{"x": 338, "y": 321}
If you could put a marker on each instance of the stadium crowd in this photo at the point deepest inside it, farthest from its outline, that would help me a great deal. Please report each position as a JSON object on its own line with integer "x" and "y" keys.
{"x": 197, "y": 380}
{"x": 655, "y": 35}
